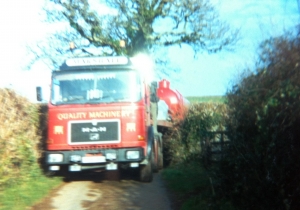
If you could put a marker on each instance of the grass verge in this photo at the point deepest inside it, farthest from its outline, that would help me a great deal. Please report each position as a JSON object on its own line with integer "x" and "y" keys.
{"x": 21, "y": 195}
{"x": 193, "y": 187}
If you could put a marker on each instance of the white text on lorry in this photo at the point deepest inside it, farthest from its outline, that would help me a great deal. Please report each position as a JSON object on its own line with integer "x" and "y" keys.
{"x": 100, "y": 114}
{"x": 118, "y": 60}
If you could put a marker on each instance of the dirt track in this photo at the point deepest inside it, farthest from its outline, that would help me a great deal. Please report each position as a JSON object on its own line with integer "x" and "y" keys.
{"x": 97, "y": 192}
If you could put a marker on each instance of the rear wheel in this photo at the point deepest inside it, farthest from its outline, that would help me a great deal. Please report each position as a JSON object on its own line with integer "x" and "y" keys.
{"x": 160, "y": 164}
{"x": 155, "y": 155}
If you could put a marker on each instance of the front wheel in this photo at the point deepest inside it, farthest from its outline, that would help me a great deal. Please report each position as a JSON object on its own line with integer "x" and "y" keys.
{"x": 146, "y": 171}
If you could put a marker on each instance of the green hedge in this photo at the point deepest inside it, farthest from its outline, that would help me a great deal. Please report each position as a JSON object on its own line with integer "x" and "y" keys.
{"x": 184, "y": 142}
{"x": 262, "y": 167}
{"x": 19, "y": 138}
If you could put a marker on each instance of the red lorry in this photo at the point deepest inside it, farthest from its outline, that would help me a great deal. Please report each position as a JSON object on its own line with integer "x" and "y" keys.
{"x": 103, "y": 114}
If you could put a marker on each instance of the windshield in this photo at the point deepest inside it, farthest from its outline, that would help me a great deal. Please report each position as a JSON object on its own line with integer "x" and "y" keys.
{"x": 96, "y": 87}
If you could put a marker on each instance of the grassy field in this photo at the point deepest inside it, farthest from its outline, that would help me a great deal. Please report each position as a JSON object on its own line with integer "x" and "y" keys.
{"x": 206, "y": 99}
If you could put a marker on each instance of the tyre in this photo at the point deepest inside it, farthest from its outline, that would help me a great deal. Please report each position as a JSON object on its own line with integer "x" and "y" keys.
{"x": 146, "y": 171}
{"x": 155, "y": 155}
{"x": 160, "y": 163}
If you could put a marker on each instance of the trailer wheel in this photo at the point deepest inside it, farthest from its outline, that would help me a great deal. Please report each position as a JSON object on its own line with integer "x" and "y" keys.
{"x": 146, "y": 171}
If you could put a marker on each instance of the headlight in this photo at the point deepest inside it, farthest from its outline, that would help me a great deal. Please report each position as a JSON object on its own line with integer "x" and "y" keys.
{"x": 132, "y": 155}
{"x": 54, "y": 168}
{"x": 75, "y": 158}
{"x": 55, "y": 158}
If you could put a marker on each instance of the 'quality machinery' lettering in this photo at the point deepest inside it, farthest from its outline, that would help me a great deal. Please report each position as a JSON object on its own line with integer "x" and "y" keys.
{"x": 94, "y": 115}
{"x": 67, "y": 116}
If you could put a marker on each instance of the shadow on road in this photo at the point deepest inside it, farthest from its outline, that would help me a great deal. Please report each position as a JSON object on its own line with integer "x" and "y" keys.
{"x": 100, "y": 176}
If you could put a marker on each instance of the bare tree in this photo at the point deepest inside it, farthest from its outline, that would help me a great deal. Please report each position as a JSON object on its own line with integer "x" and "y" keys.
{"x": 144, "y": 25}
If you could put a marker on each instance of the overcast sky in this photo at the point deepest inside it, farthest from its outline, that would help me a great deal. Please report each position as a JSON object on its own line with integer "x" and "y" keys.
{"x": 209, "y": 74}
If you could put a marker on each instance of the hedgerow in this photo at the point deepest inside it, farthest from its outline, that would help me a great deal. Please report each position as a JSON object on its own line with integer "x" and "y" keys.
{"x": 19, "y": 138}
{"x": 262, "y": 167}
{"x": 186, "y": 140}
{"x": 186, "y": 149}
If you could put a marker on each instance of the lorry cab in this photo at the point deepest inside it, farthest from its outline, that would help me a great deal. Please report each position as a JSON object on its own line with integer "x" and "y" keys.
{"x": 103, "y": 114}
{"x": 99, "y": 117}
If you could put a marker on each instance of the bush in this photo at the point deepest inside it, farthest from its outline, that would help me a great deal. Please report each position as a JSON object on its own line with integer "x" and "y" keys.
{"x": 185, "y": 141}
{"x": 18, "y": 137}
{"x": 188, "y": 174}
{"x": 262, "y": 167}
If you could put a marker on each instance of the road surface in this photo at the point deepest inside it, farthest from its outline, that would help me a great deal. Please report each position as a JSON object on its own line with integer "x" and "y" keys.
{"x": 97, "y": 192}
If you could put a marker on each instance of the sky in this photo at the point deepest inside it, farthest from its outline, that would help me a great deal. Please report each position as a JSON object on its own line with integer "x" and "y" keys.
{"x": 214, "y": 74}
{"x": 203, "y": 75}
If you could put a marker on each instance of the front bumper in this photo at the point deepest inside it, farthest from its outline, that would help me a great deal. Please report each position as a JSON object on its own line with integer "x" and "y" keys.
{"x": 94, "y": 159}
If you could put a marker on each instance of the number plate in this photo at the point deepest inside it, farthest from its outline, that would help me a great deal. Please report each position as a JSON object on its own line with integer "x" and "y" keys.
{"x": 93, "y": 159}
{"x": 111, "y": 166}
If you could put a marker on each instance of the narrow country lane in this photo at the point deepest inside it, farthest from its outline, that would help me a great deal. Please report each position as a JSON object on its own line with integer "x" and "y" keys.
{"x": 100, "y": 193}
